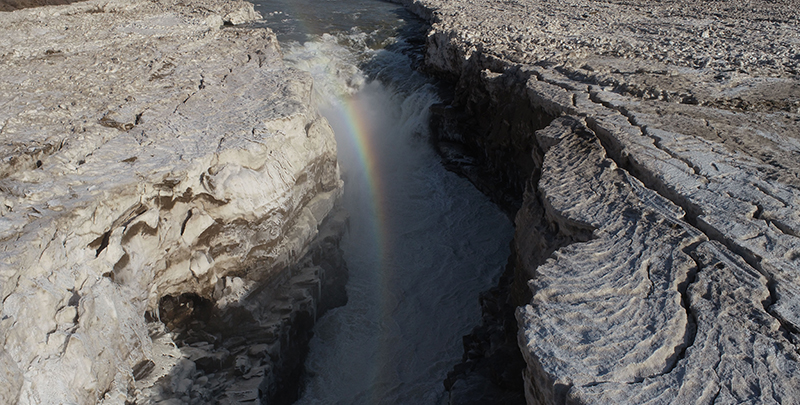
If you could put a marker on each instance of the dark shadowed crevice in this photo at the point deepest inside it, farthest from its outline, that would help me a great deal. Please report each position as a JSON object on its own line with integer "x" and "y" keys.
{"x": 100, "y": 243}
{"x": 252, "y": 348}
{"x": 691, "y": 318}
{"x": 185, "y": 221}
{"x": 487, "y": 135}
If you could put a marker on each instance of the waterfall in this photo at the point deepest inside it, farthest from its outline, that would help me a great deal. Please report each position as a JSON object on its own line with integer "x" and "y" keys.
{"x": 422, "y": 242}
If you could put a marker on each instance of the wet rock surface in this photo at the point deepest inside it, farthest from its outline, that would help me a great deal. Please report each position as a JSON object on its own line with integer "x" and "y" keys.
{"x": 658, "y": 220}
{"x": 156, "y": 159}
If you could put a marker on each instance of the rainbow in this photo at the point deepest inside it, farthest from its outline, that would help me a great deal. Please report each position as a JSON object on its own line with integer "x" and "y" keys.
{"x": 356, "y": 114}
{"x": 355, "y": 122}
{"x": 359, "y": 129}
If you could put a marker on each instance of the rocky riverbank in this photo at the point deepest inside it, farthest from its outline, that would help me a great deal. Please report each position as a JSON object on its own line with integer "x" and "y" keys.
{"x": 163, "y": 184}
{"x": 651, "y": 151}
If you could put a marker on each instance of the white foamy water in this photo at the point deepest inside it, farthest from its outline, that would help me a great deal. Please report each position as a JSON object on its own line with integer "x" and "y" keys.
{"x": 422, "y": 242}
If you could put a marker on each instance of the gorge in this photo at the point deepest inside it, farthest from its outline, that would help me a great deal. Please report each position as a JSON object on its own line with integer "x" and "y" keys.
{"x": 175, "y": 205}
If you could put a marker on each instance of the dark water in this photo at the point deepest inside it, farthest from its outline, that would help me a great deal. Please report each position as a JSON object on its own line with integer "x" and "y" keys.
{"x": 422, "y": 241}
{"x": 304, "y": 20}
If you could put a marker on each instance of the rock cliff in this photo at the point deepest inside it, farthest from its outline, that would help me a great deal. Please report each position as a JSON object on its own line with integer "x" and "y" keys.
{"x": 158, "y": 165}
{"x": 651, "y": 153}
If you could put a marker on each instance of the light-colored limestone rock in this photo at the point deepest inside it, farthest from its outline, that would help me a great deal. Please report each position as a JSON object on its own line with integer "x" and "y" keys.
{"x": 611, "y": 320}
{"x": 659, "y": 225}
{"x": 734, "y": 358}
{"x": 146, "y": 151}
{"x": 251, "y": 345}
{"x": 613, "y": 303}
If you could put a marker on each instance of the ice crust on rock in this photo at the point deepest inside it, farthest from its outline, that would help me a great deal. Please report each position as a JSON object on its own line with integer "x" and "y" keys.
{"x": 147, "y": 151}
{"x": 658, "y": 226}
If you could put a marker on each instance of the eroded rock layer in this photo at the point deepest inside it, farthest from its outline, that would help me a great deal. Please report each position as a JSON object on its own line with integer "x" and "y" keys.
{"x": 148, "y": 151}
{"x": 658, "y": 193}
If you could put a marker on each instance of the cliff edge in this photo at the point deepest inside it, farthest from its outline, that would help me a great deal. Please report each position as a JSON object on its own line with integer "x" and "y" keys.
{"x": 155, "y": 159}
{"x": 651, "y": 151}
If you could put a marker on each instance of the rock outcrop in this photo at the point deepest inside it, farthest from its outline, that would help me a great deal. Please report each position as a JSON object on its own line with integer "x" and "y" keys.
{"x": 155, "y": 160}
{"x": 652, "y": 150}
{"x": 11, "y": 5}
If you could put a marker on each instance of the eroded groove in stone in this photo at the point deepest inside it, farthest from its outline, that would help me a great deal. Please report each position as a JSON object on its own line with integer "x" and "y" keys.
{"x": 609, "y": 309}
{"x": 735, "y": 358}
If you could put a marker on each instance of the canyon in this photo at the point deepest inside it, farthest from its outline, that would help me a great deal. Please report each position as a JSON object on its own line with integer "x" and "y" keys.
{"x": 170, "y": 219}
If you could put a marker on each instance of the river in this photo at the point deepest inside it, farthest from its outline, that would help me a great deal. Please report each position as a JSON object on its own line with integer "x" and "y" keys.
{"x": 422, "y": 242}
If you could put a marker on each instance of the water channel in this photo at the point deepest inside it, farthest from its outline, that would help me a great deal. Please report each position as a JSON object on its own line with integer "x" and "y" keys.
{"x": 422, "y": 242}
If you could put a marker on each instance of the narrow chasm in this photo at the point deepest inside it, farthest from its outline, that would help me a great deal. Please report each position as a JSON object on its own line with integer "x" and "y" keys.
{"x": 492, "y": 207}
{"x": 422, "y": 242}
{"x": 399, "y": 202}
{"x": 634, "y": 225}
{"x": 501, "y": 157}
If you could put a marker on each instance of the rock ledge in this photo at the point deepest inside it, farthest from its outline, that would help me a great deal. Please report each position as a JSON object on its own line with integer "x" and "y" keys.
{"x": 148, "y": 151}
{"x": 652, "y": 149}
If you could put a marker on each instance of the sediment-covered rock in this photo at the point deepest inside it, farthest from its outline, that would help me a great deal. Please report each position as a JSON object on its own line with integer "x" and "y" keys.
{"x": 148, "y": 151}
{"x": 658, "y": 220}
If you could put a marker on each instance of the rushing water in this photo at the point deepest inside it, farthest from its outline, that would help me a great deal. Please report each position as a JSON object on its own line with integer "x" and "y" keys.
{"x": 422, "y": 242}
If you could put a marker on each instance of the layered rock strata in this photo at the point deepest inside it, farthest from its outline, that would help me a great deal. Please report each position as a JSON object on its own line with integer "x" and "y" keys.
{"x": 653, "y": 151}
{"x": 154, "y": 161}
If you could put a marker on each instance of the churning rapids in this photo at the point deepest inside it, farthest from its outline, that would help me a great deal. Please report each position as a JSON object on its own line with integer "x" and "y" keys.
{"x": 422, "y": 242}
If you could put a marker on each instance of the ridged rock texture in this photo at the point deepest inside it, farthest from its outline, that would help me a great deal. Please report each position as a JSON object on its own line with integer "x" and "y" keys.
{"x": 653, "y": 151}
{"x": 149, "y": 150}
